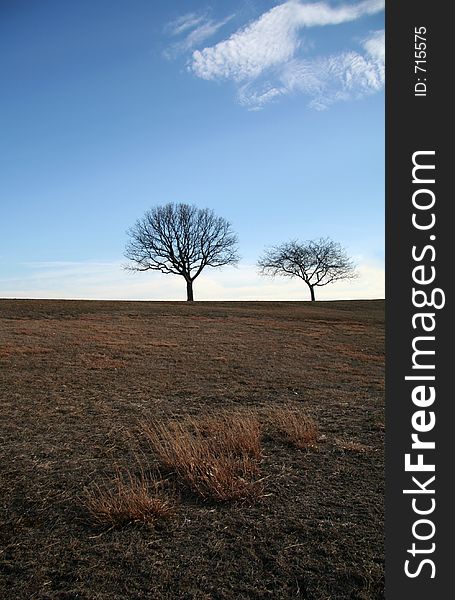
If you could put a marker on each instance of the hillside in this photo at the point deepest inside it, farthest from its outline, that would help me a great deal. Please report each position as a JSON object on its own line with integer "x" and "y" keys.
{"x": 77, "y": 379}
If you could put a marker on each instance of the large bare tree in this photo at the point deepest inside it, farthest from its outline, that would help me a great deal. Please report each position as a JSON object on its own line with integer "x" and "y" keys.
{"x": 181, "y": 239}
{"x": 316, "y": 262}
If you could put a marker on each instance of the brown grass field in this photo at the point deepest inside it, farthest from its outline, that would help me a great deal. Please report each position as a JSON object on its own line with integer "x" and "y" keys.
{"x": 215, "y": 450}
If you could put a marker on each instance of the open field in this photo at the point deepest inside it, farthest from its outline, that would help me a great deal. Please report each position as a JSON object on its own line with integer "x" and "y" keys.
{"x": 77, "y": 378}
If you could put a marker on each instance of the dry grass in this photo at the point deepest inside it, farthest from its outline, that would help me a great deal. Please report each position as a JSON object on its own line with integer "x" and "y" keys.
{"x": 294, "y": 425}
{"x": 127, "y": 499}
{"x": 65, "y": 425}
{"x": 215, "y": 457}
{"x": 351, "y": 446}
{"x": 237, "y": 433}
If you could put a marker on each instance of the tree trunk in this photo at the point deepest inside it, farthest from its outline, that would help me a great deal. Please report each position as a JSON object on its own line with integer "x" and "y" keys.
{"x": 189, "y": 291}
{"x": 312, "y": 293}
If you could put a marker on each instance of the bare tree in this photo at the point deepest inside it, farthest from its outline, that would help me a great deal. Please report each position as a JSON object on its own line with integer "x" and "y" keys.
{"x": 181, "y": 239}
{"x": 316, "y": 262}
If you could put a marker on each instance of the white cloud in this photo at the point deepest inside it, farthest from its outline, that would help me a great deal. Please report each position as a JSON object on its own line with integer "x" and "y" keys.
{"x": 108, "y": 281}
{"x": 375, "y": 46}
{"x": 272, "y": 39}
{"x": 255, "y": 97}
{"x": 264, "y": 58}
{"x": 348, "y": 75}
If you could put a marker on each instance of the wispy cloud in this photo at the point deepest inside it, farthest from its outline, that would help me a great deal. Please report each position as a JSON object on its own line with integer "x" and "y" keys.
{"x": 197, "y": 28}
{"x": 267, "y": 58}
{"x": 343, "y": 76}
{"x": 183, "y": 23}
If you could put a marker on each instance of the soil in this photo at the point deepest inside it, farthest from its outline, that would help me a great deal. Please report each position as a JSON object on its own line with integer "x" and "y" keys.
{"x": 76, "y": 378}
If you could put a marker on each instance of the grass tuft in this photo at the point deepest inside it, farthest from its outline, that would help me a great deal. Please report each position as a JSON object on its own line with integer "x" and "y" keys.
{"x": 127, "y": 499}
{"x": 215, "y": 457}
{"x": 237, "y": 433}
{"x": 294, "y": 426}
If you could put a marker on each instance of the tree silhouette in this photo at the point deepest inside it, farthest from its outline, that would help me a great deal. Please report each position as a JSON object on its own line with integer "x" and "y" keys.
{"x": 181, "y": 239}
{"x": 316, "y": 262}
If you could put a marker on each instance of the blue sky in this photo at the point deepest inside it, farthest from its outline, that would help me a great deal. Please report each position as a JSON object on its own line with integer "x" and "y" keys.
{"x": 271, "y": 113}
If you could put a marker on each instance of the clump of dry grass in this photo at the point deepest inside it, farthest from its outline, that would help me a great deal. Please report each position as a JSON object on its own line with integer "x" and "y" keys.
{"x": 294, "y": 425}
{"x": 238, "y": 433}
{"x": 127, "y": 499}
{"x": 216, "y": 457}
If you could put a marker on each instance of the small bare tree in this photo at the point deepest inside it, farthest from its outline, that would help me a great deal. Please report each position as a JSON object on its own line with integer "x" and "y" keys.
{"x": 181, "y": 239}
{"x": 316, "y": 262}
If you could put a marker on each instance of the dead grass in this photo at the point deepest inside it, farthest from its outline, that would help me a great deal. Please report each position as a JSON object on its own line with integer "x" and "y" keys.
{"x": 127, "y": 499}
{"x": 237, "y": 433}
{"x": 215, "y": 457}
{"x": 65, "y": 425}
{"x": 294, "y": 426}
{"x": 351, "y": 446}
